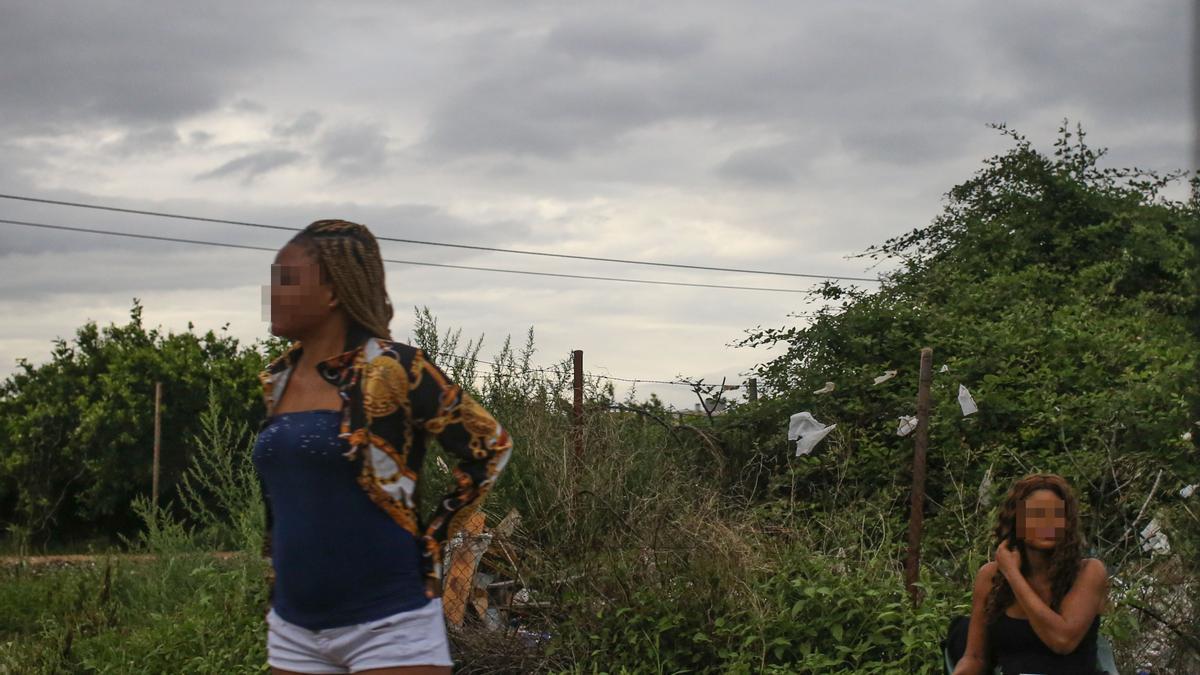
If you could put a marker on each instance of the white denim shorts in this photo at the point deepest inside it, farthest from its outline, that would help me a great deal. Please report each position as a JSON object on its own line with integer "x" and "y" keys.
{"x": 413, "y": 638}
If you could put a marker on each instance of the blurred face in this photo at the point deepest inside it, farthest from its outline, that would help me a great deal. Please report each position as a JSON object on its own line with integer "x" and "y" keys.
{"x": 301, "y": 298}
{"x": 1042, "y": 519}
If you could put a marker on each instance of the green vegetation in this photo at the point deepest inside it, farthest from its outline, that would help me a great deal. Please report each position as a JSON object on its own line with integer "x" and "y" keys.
{"x": 1063, "y": 294}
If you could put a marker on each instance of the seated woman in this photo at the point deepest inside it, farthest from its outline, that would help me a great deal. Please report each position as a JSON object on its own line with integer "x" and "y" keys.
{"x": 1036, "y": 606}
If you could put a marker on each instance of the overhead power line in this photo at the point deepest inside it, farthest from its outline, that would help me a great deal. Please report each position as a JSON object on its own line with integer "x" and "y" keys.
{"x": 624, "y": 261}
{"x": 560, "y": 275}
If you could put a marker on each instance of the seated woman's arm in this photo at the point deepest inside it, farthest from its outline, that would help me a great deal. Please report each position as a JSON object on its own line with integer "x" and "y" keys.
{"x": 1062, "y": 631}
{"x": 974, "y": 659}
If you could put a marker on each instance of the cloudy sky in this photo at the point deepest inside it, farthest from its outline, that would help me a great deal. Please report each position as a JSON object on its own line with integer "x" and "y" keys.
{"x": 773, "y": 135}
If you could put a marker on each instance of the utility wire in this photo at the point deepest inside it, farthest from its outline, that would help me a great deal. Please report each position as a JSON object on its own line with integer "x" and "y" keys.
{"x": 161, "y": 214}
{"x": 414, "y": 262}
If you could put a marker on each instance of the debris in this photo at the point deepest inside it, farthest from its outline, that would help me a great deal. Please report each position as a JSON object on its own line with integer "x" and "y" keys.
{"x": 492, "y": 620}
{"x": 1154, "y": 539}
{"x": 1187, "y": 436}
{"x": 508, "y": 524}
{"x": 829, "y": 386}
{"x": 944, "y": 369}
{"x": 985, "y": 488}
{"x": 532, "y": 638}
{"x": 465, "y": 549}
{"x": 966, "y": 402}
{"x": 806, "y": 431}
{"x": 442, "y": 465}
{"x": 1188, "y": 491}
{"x": 907, "y": 424}
{"x": 887, "y": 375}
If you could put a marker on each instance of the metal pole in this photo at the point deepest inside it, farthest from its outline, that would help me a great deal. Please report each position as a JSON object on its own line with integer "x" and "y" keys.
{"x": 577, "y": 356}
{"x": 916, "y": 520}
{"x": 157, "y": 438}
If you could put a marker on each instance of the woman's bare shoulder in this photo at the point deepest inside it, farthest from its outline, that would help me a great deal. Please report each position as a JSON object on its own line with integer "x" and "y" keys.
{"x": 983, "y": 578}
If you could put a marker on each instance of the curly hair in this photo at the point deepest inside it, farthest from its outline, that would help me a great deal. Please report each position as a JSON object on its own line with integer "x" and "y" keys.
{"x": 1064, "y": 560}
{"x": 348, "y": 256}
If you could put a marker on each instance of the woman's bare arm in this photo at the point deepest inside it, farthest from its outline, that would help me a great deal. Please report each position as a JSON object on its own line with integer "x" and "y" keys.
{"x": 1062, "y": 631}
{"x": 974, "y": 659}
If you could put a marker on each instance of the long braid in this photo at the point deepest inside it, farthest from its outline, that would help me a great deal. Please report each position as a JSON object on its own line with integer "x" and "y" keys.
{"x": 349, "y": 254}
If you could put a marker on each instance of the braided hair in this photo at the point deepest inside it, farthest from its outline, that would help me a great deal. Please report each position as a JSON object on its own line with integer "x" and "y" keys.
{"x": 348, "y": 256}
{"x": 1064, "y": 560}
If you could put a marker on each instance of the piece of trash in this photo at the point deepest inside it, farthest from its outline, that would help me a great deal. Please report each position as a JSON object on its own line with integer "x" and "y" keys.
{"x": 460, "y": 563}
{"x": 442, "y": 465}
{"x": 492, "y": 619}
{"x": 1187, "y": 436}
{"x": 1188, "y": 491}
{"x": 532, "y": 638}
{"x": 508, "y": 524}
{"x": 887, "y": 375}
{"x": 966, "y": 402}
{"x": 907, "y": 424}
{"x": 985, "y": 488}
{"x": 829, "y": 386}
{"x": 944, "y": 369}
{"x": 806, "y": 431}
{"x": 1154, "y": 539}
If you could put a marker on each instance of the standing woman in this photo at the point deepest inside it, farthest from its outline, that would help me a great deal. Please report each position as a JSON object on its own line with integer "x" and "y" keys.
{"x": 1037, "y": 605}
{"x": 355, "y": 569}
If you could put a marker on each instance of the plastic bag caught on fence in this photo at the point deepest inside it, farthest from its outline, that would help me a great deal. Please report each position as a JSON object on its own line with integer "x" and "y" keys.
{"x": 806, "y": 431}
{"x": 966, "y": 401}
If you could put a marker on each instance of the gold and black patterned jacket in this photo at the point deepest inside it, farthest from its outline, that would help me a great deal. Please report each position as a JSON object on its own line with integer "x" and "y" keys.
{"x": 393, "y": 400}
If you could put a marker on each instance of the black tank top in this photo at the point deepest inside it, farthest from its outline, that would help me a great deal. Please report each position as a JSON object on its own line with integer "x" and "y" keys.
{"x": 1017, "y": 649}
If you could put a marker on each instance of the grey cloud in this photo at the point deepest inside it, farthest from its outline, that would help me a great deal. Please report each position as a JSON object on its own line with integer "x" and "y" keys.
{"x": 153, "y": 139}
{"x": 303, "y": 125}
{"x": 354, "y": 150}
{"x": 200, "y": 137}
{"x": 68, "y": 63}
{"x": 254, "y": 165}
{"x": 535, "y": 100}
{"x": 625, "y": 41}
{"x": 1114, "y": 64}
{"x": 766, "y": 166}
{"x": 248, "y": 105}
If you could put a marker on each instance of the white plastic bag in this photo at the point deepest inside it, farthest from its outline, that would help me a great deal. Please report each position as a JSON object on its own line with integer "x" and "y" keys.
{"x": 806, "y": 431}
{"x": 829, "y": 386}
{"x": 887, "y": 375}
{"x": 908, "y": 423}
{"x": 966, "y": 402}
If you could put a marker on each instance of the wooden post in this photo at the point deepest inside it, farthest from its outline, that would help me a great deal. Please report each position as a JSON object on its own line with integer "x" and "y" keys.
{"x": 752, "y": 387}
{"x": 157, "y": 439}
{"x": 916, "y": 519}
{"x": 577, "y": 356}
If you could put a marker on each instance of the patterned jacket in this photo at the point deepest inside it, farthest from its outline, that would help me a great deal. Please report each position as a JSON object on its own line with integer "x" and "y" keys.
{"x": 393, "y": 399}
